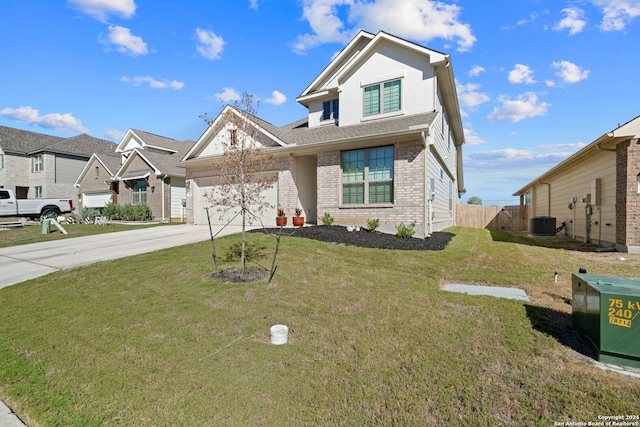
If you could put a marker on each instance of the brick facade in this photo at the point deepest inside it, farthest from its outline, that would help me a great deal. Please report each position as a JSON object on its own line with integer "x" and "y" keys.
{"x": 408, "y": 183}
{"x": 628, "y": 196}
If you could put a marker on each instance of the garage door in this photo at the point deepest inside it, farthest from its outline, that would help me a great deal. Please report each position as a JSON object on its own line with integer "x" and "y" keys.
{"x": 211, "y": 186}
{"x": 96, "y": 200}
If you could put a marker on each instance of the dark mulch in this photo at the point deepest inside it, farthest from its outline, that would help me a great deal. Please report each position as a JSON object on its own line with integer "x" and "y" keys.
{"x": 252, "y": 274}
{"x": 340, "y": 235}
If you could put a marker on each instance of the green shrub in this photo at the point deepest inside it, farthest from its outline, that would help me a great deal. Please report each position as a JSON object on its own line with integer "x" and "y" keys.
{"x": 326, "y": 219}
{"x": 405, "y": 231}
{"x": 373, "y": 224}
{"x": 128, "y": 212}
{"x": 252, "y": 252}
{"x": 90, "y": 213}
{"x": 111, "y": 211}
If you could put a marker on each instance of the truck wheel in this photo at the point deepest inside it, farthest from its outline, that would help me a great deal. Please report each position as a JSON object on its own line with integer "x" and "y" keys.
{"x": 49, "y": 213}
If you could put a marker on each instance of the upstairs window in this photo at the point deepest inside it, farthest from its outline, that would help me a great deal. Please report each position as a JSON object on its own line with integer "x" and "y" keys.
{"x": 382, "y": 98}
{"x": 38, "y": 165}
{"x": 330, "y": 109}
{"x": 367, "y": 176}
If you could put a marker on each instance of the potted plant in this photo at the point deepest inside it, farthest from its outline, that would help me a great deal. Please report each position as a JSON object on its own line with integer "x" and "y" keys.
{"x": 298, "y": 220}
{"x": 281, "y": 219}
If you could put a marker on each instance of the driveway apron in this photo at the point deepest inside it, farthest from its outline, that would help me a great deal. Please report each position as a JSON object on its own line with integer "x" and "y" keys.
{"x": 24, "y": 262}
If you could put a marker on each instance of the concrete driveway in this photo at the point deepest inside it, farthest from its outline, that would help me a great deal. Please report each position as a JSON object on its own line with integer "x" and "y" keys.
{"x": 24, "y": 262}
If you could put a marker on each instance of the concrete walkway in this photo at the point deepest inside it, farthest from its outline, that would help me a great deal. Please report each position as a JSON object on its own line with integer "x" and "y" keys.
{"x": 25, "y": 262}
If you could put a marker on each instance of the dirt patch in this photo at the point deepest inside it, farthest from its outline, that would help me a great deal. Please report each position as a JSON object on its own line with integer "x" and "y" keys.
{"x": 252, "y": 274}
{"x": 366, "y": 239}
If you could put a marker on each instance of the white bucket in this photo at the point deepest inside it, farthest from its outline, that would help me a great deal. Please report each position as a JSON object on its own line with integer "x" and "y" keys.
{"x": 279, "y": 334}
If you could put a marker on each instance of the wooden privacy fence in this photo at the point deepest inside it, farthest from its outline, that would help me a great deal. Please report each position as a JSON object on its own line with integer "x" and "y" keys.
{"x": 509, "y": 218}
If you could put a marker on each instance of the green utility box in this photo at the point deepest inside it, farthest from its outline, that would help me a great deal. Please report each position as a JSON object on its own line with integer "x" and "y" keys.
{"x": 606, "y": 310}
{"x": 46, "y": 225}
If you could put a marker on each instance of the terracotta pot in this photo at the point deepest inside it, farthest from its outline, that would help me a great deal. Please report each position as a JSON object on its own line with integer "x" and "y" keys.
{"x": 281, "y": 221}
{"x": 298, "y": 221}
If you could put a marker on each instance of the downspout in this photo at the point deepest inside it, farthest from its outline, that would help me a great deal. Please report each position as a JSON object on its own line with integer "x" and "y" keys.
{"x": 162, "y": 177}
{"x": 427, "y": 187}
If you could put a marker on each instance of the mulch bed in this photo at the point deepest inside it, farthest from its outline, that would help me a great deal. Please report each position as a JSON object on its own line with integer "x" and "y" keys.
{"x": 340, "y": 235}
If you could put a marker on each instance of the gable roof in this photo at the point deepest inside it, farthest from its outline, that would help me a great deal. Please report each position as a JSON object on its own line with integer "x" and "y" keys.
{"x": 605, "y": 142}
{"x": 270, "y": 131}
{"x": 358, "y": 51}
{"x": 355, "y": 53}
{"x": 111, "y": 163}
{"x": 152, "y": 141}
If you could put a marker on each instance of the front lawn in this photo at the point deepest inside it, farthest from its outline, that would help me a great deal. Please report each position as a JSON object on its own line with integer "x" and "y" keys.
{"x": 32, "y": 232}
{"x": 373, "y": 340}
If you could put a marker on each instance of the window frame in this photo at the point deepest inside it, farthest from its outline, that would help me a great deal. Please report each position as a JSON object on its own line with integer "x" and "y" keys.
{"x": 37, "y": 192}
{"x": 382, "y": 95}
{"x": 137, "y": 192}
{"x": 368, "y": 182}
{"x": 38, "y": 163}
{"x": 330, "y": 110}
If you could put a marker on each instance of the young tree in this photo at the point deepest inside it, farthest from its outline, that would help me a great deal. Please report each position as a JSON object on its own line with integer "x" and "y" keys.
{"x": 474, "y": 200}
{"x": 242, "y": 168}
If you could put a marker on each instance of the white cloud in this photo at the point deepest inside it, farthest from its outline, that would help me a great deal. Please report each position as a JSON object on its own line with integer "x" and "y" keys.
{"x": 114, "y": 134}
{"x": 56, "y": 121}
{"x": 521, "y": 74}
{"x": 471, "y": 137}
{"x": 525, "y": 106}
{"x": 573, "y": 21}
{"x": 470, "y": 96}
{"x": 153, "y": 83}
{"x": 570, "y": 72}
{"x": 101, "y": 9}
{"x": 210, "y": 46}
{"x": 126, "y": 42}
{"x": 476, "y": 70}
{"x": 277, "y": 98}
{"x": 617, "y": 13}
{"x": 422, "y": 20}
{"x": 253, "y": 4}
{"x": 327, "y": 27}
{"x": 227, "y": 95}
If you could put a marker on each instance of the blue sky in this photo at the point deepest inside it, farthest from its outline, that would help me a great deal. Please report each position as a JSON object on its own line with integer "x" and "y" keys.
{"x": 537, "y": 79}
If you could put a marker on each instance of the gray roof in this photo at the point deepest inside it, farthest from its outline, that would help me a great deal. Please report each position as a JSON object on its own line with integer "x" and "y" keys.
{"x": 299, "y": 132}
{"x": 163, "y": 141}
{"x": 83, "y": 145}
{"x": 168, "y": 163}
{"x": 22, "y": 142}
{"x": 111, "y": 161}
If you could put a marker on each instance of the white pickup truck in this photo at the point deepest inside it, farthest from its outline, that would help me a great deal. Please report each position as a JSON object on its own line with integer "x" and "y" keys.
{"x": 32, "y": 208}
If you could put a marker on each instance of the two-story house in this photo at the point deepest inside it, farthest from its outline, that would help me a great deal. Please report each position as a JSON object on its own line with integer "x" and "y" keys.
{"x": 382, "y": 140}
{"x": 35, "y": 165}
{"x": 141, "y": 169}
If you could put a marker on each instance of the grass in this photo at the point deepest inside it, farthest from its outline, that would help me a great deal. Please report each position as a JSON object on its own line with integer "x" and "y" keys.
{"x": 373, "y": 340}
{"x": 32, "y": 233}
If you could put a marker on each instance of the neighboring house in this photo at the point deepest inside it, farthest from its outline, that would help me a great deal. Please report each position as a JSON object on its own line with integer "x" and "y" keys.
{"x": 141, "y": 170}
{"x": 595, "y": 192}
{"x": 35, "y": 165}
{"x": 382, "y": 140}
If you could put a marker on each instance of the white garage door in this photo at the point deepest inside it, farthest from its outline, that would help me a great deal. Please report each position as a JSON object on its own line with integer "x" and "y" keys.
{"x": 209, "y": 186}
{"x": 96, "y": 200}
